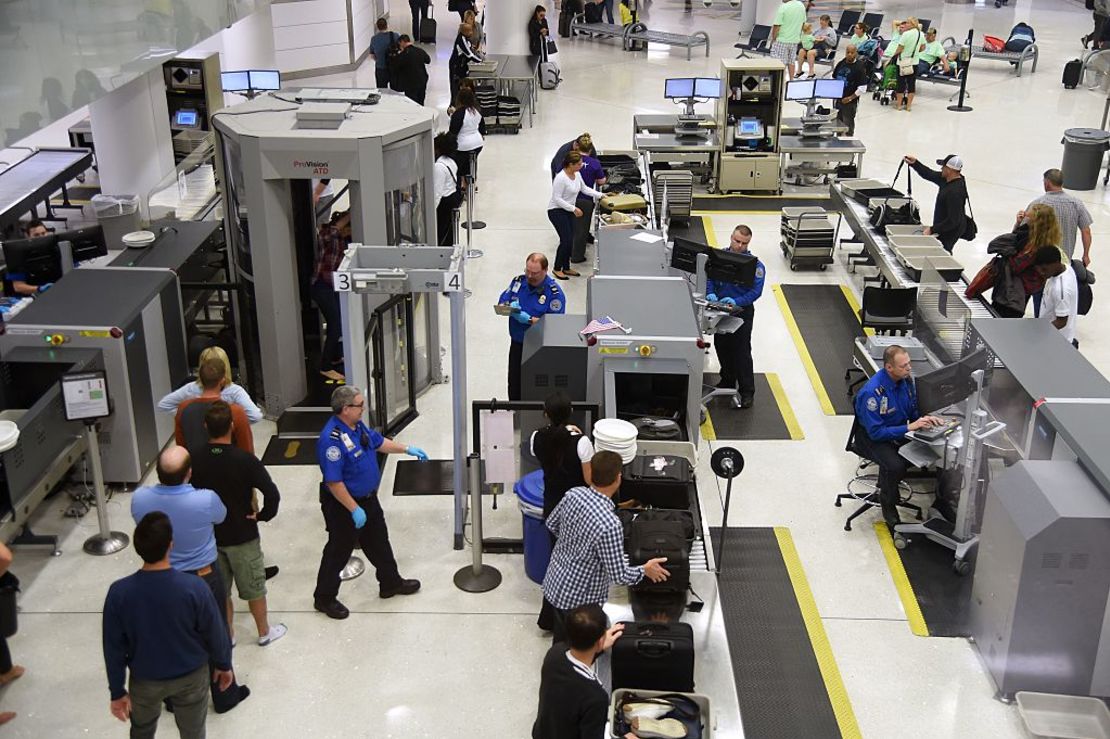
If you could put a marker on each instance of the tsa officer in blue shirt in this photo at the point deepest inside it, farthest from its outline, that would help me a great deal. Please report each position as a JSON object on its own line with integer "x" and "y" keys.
{"x": 534, "y": 293}
{"x": 734, "y": 351}
{"x": 347, "y": 451}
{"x": 886, "y": 408}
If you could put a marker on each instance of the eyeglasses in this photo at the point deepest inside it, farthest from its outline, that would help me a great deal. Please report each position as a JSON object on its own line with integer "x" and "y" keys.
{"x": 356, "y": 405}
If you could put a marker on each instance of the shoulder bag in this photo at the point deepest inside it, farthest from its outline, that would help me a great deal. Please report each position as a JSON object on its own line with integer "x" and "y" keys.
{"x": 908, "y": 66}
{"x": 971, "y": 229}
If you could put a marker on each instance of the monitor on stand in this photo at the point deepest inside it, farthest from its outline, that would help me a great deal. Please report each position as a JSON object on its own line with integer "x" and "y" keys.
{"x": 688, "y": 91}
{"x": 37, "y": 261}
{"x": 684, "y": 254}
{"x": 734, "y": 267}
{"x": 84, "y": 243}
{"x": 951, "y": 384}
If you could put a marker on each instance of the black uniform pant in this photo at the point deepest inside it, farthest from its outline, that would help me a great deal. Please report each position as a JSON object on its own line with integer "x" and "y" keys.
{"x": 582, "y": 229}
{"x": 419, "y": 10}
{"x": 516, "y": 355}
{"x": 892, "y": 470}
{"x": 563, "y": 221}
{"x": 734, "y": 352}
{"x": 846, "y": 114}
{"x": 373, "y": 538}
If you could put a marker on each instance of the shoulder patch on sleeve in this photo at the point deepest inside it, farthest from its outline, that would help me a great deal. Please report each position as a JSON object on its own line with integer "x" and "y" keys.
{"x": 872, "y": 404}
{"x": 556, "y": 304}
{"x": 333, "y": 454}
{"x": 759, "y": 271}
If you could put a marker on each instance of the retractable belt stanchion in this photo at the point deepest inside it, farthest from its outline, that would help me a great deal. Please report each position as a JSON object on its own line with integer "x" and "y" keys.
{"x": 726, "y": 462}
{"x": 965, "y": 59}
{"x": 106, "y": 541}
{"x": 471, "y": 224}
{"x": 478, "y": 577}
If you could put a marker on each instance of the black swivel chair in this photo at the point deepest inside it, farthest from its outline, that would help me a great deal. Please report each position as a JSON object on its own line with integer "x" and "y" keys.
{"x": 888, "y": 309}
{"x": 848, "y": 19}
{"x": 758, "y": 43}
{"x": 864, "y": 487}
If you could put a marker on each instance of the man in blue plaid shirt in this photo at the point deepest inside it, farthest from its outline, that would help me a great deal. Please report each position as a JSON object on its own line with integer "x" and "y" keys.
{"x": 589, "y": 548}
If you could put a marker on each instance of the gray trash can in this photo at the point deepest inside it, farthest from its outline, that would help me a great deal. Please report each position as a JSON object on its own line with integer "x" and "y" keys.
{"x": 1083, "y": 152}
{"x": 118, "y": 215}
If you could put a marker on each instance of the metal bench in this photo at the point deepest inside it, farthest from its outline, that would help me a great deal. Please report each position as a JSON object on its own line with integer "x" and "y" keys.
{"x": 598, "y": 30}
{"x": 1017, "y": 58}
{"x": 640, "y": 32}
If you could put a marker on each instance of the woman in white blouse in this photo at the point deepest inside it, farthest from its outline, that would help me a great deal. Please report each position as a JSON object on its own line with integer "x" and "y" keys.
{"x": 561, "y": 210}
{"x": 447, "y": 195}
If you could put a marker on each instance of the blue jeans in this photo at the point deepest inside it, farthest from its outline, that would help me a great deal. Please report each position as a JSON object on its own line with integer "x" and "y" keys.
{"x": 609, "y": 11}
{"x": 563, "y": 221}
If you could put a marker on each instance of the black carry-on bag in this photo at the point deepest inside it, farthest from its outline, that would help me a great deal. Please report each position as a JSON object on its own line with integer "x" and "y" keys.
{"x": 660, "y": 480}
{"x": 1073, "y": 72}
{"x": 648, "y": 539}
{"x": 892, "y": 211}
{"x": 654, "y": 656}
{"x": 428, "y": 27}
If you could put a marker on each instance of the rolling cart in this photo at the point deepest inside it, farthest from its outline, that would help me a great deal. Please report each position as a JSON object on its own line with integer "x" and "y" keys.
{"x": 808, "y": 236}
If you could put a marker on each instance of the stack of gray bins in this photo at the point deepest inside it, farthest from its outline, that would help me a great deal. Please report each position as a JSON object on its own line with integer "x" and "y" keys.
{"x": 808, "y": 236}
{"x": 508, "y": 113}
{"x": 487, "y": 103}
{"x": 678, "y": 184}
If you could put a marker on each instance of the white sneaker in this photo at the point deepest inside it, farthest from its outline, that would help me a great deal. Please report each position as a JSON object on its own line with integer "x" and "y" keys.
{"x": 668, "y": 728}
{"x": 276, "y": 632}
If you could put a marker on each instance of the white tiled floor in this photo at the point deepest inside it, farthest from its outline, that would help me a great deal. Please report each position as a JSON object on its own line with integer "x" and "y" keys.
{"x": 447, "y": 663}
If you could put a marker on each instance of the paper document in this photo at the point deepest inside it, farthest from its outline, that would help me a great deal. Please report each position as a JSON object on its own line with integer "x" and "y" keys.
{"x": 647, "y": 238}
{"x": 499, "y": 446}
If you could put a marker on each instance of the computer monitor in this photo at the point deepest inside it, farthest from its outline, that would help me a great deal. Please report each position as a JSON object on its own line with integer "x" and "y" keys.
{"x": 750, "y": 127}
{"x": 186, "y": 118}
{"x": 707, "y": 87}
{"x": 800, "y": 89}
{"x": 235, "y": 81}
{"x": 828, "y": 88}
{"x": 39, "y": 260}
{"x": 950, "y": 384}
{"x": 684, "y": 254}
{"x": 85, "y": 243}
{"x": 737, "y": 268}
{"x": 679, "y": 88}
{"x": 264, "y": 79}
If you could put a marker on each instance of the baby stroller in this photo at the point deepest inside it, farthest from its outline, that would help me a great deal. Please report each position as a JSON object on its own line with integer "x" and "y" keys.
{"x": 886, "y": 81}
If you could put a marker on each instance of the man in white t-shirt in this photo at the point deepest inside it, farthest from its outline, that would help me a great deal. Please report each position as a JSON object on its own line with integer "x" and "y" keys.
{"x": 1060, "y": 301}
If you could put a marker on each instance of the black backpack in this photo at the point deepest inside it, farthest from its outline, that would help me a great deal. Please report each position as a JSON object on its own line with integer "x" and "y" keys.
{"x": 1084, "y": 278}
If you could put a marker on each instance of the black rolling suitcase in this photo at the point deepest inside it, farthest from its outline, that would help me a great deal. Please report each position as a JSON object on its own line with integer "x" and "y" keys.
{"x": 428, "y": 27}
{"x": 660, "y": 480}
{"x": 1073, "y": 71}
{"x": 684, "y": 518}
{"x": 648, "y": 539}
{"x": 654, "y": 656}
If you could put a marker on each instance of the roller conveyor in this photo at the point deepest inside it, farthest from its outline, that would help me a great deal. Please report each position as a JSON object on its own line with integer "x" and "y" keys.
{"x": 34, "y": 179}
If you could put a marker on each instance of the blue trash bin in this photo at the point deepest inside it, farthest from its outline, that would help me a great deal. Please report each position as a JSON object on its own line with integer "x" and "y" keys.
{"x": 537, "y": 541}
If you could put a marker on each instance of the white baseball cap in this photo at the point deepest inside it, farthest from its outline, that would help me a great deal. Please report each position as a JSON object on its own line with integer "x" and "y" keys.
{"x": 952, "y": 161}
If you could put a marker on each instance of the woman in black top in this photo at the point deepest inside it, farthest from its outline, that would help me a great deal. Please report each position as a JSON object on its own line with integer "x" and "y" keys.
{"x": 462, "y": 54}
{"x": 537, "y": 31}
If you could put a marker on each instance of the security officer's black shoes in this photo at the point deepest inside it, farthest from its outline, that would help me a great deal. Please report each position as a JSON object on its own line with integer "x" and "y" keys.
{"x": 747, "y": 401}
{"x": 333, "y": 609}
{"x": 405, "y": 587}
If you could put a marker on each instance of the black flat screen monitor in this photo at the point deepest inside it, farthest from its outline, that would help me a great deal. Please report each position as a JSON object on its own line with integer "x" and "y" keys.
{"x": 85, "y": 243}
{"x": 800, "y": 89}
{"x": 831, "y": 88}
{"x": 950, "y": 384}
{"x": 679, "y": 88}
{"x": 684, "y": 254}
{"x": 734, "y": 267}
{"x": 235, "y": 81}
{"x": 264, "y": 79}
{"x": 707, "y": 87}
{"x": 39, "y": 261}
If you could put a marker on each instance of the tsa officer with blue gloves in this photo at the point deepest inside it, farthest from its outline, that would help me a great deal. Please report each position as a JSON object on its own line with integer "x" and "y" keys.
{"x": 886, "y": 408}
{"x": 530, "y": 295}
{"x": 734, "y": 350}
{"x": 347, "y": 452}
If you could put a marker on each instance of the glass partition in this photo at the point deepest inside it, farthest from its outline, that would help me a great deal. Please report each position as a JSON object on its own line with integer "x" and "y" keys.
{"x": 942, "y": 315}
{"x": 189, "y": 192}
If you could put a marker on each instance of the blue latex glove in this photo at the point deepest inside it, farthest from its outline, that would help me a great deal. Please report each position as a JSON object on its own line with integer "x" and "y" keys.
{"x": 44, "y": 288}
{"x": 359, "y": 516}
{"x": 728, "y": 301}
{"x": 515, "y": 304}
{"x": 522, "y": 317}
{"x": 711, "y": 297}
{"x": 415, "y": 451}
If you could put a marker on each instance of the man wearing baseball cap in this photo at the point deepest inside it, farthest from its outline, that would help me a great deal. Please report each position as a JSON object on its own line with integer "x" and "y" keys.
{"x": 949, "y": 218}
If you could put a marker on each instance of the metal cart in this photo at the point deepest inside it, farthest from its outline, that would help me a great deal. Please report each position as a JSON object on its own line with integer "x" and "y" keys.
{"x": 808, "y": 236}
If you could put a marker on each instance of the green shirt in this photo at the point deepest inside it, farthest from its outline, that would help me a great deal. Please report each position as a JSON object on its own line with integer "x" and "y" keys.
{"x": 913, "y": 40}
{"x": 789, "y": 18}
{"x": 933, "y": 51}
{"x": 807, "y": 41}
{"x": 892, "y": 46}
{"x": 857, "y": 40}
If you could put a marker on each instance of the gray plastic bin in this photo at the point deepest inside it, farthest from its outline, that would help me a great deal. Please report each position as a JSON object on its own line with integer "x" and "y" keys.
{"x": 1083, "y": 152}
{"x": 1049, "y": 715}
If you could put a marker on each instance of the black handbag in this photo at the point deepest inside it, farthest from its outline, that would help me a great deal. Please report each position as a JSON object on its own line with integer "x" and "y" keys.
{"x": 9, "y": 621}
{"x": 551, "y": 48}
{"x": 896, "y": 210}
{"x": 971, "y": 229}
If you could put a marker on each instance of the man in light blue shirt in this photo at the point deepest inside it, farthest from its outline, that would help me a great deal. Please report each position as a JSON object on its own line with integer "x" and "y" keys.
{"x": 379, "y": 49}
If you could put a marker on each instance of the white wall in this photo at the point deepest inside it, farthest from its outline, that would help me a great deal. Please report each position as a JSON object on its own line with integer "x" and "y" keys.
{"x": 507, "y": 25}
{"x": 131, "y": 129}
{"x": 310, "y": 34}
{"x": 363, "y": 18}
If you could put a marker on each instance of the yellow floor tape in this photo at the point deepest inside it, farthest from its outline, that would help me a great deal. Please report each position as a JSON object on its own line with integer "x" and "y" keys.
{"x": 856, "y": 310}
{"x": 783, "y": 402}
{"x": 803, "y": 352}
{"x": 707, "y": 226}
{"x": 819, "y": 640}
{"x": 901, "y": 581}
{"x": 707, "y": 431}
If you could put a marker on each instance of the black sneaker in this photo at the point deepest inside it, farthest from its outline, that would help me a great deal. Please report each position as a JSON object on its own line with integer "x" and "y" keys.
{"x": 747, "y": 401}
{"x": 405, "y": 587}
{"x": 333, "y": 609}
{"x": 271, "y": 571}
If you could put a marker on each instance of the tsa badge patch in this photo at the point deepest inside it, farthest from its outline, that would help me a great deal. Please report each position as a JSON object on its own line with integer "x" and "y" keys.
{"x": 333, "y": 454}
{"x": 759, "y": 272}
{"x": 872, "y": 405}
{"x": 556, "y": 304}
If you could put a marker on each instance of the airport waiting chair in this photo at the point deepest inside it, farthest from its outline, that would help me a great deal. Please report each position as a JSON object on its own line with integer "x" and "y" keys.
{"x": 925, "y": 24}
{"x": 874, "y": 22}
{"x": 864, "y": 486}
{"x": 888, "y": 309}
{"x": 759, "y": 42}
{"x": 848, "y": 18}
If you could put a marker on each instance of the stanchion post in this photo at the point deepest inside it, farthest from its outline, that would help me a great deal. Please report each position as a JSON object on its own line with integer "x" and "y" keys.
{"x": 478, "y": 577}
{"x": 472, "y": 224}
{"x": 965, "y": 58}
{"x": 105, "y": 541}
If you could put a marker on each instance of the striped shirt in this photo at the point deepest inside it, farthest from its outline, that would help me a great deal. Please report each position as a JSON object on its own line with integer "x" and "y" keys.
{"x": 1070, "y": 212}
{"x": 589, "y": 551}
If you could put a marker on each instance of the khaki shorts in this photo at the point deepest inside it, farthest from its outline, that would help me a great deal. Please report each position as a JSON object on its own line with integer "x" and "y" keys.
{"x": 244, "y": 563}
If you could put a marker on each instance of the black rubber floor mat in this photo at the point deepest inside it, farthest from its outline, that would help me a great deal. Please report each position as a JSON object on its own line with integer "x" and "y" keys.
{"x": 764, "y": 421}
{"x": 281, "y": 452}
{"x": 781, "y": 692}
{"x": 828, "y": 327}
{"x": 944, "y": 596}
{"x": 692, "y": 230}
{"x": 302, "y": 421}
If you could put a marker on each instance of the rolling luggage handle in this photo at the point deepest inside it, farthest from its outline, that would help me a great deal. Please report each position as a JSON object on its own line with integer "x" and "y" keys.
{"x": 653, "y": 648}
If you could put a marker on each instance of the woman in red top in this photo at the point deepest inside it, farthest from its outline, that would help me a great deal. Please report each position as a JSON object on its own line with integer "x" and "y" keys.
{"x": 1040, "y": 228}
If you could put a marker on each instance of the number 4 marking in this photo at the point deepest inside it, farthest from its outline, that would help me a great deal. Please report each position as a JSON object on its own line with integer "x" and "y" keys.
{"x": 454, "y": 282}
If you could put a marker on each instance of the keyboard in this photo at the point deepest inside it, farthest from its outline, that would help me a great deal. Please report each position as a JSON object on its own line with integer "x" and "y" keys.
{"x": 933, "y": 433}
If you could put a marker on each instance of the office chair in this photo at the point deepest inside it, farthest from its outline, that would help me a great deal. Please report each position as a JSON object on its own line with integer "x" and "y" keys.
{"x": 848, "y": 18}
{"x": 864, "y": 487}
{"x": 759, "y": 42}
{"x": 888, "y": 309}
